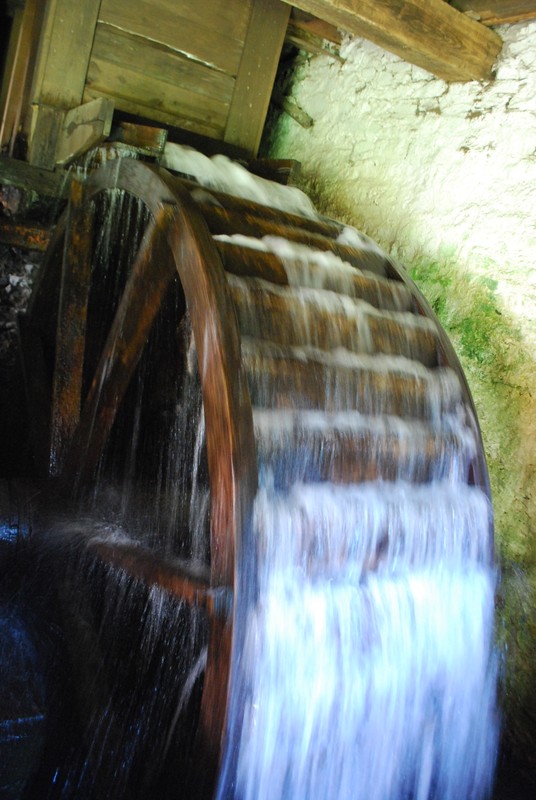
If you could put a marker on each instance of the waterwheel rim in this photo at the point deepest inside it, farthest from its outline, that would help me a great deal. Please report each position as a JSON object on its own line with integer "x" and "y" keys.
{"x": 176, "y": 241}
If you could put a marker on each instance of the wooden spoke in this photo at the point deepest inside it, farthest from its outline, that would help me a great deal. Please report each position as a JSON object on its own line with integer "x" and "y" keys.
{"x": 151, "y": 274}
{"x": 152, "y": 569}
{"x": 71, "y": 327}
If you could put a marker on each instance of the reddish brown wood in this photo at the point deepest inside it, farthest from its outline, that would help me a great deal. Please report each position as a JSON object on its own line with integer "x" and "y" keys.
{"x": 150, "y": 276}
{"x": 29, "y": 237}
{"x": 222, "y": 221}
{"x": 279, "y": 382}
{"x": 213, "y": 706}
{"x": 71, "y": 326}
{"x": 249, "y": 263}
{"x": 177, "y": 239}
{"x": 271, "y": 315}
{"x": 152, "y": 569}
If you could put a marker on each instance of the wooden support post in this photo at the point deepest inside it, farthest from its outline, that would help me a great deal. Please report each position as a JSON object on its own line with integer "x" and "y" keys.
{"x": 60, "y": 74}
{"x": 429, "y": 33}
{"x": 83, "y": 127}
{"x": 18, "y": 70}
{"x": 71, "y": 329}
{"x": 59, "y": 135}
{"x": 255, "y": 78}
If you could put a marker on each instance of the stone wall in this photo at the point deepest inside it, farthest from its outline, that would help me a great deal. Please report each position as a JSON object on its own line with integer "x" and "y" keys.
{"x": 443, "y": 176}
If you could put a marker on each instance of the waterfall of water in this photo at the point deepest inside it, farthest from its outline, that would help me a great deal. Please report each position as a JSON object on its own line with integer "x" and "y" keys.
{"x": 367, "y": 667}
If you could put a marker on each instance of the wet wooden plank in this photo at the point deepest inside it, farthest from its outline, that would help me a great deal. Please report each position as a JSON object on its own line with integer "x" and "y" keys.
{"x": 30, "y": 237}
{"x": 256, "y": 75}
{"x": 152, "y": 569}
{"x": 150, "y": 276}
{"x": 211, "y": 35}
{"x": 429, "y": 33}
{"x": 239, "y": 207}
{"x": 347, "y": 456}
{"x": 209, "y": 735}
{"x": 147, "y": 139}
{"x": 30, "y": 177}
{"x": 269, "y": 313}
{"x": 497, "y": 12}
{"x": 252, "y": 263}
{"x": 71, "y": 326}
{"x": 280, "y": 381}
{"x": 222, "y": 221}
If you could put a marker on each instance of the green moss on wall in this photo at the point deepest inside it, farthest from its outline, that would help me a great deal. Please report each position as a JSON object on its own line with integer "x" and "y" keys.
{"x": 501, "y": 375}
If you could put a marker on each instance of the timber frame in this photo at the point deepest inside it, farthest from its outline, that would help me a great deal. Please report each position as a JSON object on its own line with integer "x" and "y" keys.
{"x": 206, "y": 69}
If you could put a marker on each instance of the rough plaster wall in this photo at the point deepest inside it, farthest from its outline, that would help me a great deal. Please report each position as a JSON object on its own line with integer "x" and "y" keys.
{"x": 444, "y": 177}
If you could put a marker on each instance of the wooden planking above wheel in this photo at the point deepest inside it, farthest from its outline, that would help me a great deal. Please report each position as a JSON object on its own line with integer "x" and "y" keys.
{"x": 205, "y": 67}
{"x": 497, "y": 12}
{"x": 429, "y": 33}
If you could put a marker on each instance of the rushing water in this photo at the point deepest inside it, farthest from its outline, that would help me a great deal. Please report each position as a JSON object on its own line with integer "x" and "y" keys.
{"x": 366, "y": 668}
{"x": 367, "y": 656}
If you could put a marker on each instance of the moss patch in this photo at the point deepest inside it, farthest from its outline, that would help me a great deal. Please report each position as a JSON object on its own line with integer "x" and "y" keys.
{"x": 501, "y": 374}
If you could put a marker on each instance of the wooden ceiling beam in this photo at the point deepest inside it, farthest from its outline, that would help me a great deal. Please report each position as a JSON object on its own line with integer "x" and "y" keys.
{"x": 429, "y": 33}
{"x": 497, "y": 12}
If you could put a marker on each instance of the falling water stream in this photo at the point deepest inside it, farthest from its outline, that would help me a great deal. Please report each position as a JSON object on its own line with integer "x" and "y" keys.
{"x": 366, "y": 669}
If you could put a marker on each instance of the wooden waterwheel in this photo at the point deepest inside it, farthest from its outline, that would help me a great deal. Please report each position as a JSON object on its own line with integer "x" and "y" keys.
{"x": 241, "y": 302}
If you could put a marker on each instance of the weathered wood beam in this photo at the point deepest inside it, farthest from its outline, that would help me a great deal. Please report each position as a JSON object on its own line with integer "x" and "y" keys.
{"x": 309, "y": 33}
{"x": 256, "y": 74}
{"x": 18, "y": 68}
{"x": 59, "y": 135}
{"x": 64, "y": 51}
{"x": 71, "y": 330}
{"x": 429, "y": 33}
{"x": 84, "y": 127}
{"x": 31, "y": 178}
{"x": 30, "y": 237}
{"x": 145, "y": 138}
{"x": 497, "y": 12}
